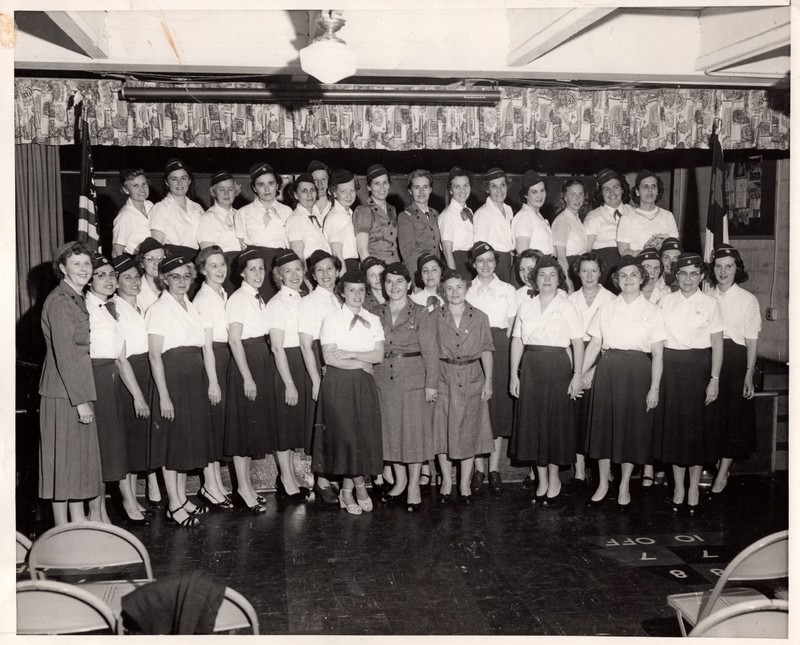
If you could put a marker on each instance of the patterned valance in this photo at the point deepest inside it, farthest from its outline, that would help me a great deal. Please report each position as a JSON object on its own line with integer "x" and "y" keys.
{"x": 525, "y": 119}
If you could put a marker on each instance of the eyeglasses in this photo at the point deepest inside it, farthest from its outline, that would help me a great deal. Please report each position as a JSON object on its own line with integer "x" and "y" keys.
{"x": 104, "y": 275}
{"x": 151, "y": 260}
{"x": 693, "y": 275}
{"x": 180, "y": 277}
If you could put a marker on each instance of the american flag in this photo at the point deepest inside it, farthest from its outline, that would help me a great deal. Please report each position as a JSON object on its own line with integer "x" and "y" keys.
{"x": 87, "y": 204}
{"x": 716, "y": 217}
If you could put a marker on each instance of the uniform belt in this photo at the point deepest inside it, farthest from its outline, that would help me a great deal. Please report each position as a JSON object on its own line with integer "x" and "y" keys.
{"x": 459, "y": 361}
{"x": 401, "y": 354}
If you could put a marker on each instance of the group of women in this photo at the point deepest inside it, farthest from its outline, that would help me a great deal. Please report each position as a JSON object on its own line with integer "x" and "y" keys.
{"x": 375, "y": 341}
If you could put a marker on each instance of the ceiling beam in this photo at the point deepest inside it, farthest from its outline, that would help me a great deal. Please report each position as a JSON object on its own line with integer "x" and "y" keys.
{"x": 729, "y": 37}
{"x": 533, "y": 33}
{"x": 85, "y": 35}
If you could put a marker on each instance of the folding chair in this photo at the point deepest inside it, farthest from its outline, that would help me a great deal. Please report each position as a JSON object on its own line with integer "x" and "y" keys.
{"x": 766, "y": 559}
{"x": 235, "y": 613}
{"x": 23, "y": 547}
{"x": 759, "y": 619}
{"x": 50, "y": 607}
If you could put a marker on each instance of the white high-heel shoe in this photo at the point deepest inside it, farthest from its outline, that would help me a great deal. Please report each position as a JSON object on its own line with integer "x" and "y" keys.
{"x": 353, "y": 509}
{"x": 365, "y": 504}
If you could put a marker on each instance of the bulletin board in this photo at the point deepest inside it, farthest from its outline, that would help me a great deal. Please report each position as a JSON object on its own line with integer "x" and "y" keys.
{"x": 750, "y": 198}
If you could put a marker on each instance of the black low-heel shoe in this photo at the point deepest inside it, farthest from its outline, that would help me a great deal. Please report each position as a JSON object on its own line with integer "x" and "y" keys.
{"x": 445, "y": 499}
{"x": 239, "y": 502}
{"x": 294, "y": 498}
{"x": 678, "y": 507}
{"x": 552, "y": 502}
{"x": 466, "y": 499}
{"x": 597, "y": 504}
{"x": 692, "y": 510}
{"x": 623, "y": 508}
{"x": 393, "y": 500}
{"x": 538, "y": 499}
{"x": 413, "y": 507}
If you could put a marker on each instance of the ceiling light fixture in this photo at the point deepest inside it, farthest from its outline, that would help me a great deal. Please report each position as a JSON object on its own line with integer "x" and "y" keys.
{"x": 328, "y": 58}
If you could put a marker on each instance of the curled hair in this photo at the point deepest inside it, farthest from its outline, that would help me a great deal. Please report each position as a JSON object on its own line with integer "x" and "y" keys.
{"x": 205, "y": 253}
{"x": 269, "y": 171}
{"x": 597, "y": 197}
{"x": 642, "y": 273}
{"x": 130, "y": 173}
{"x": 546, "y": 262}
{"x": 189, "y": 172}
{"x": 635, "y": 192}
{"x": 418, "y": 272}
{"x": 591, "y": 256}
{"x": 740, "y": 277}
{"x": 76, "y": 248}
{"x": 471, "y": 260}
{"x": 338, "y": 289}
{"x": 419, "y": 173}
{"x": 569, "y": 183}
{"x": 337, "y": 264}
{"x": 296, "y": 184}
{"x": 457, "y": 172}
{"x": 533, "y": 254}
{"x": 450, "y": 274}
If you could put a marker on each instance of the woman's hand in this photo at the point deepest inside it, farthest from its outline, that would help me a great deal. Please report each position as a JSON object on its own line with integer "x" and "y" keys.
{"x": 315, "y": 383}
{"x": 250, "y": 389}
{"x": 748, "y": 391}
{"x": 513, "y": 386}
{"x": 85, "y": 412}
{"x": 431, "y": 394}
{"x": 167, "y": 409}
{"x": 712, "y": 390}
{"x": 486, "y": 392}
{"x": 588, "y": 377}
{"x": 141, "y": 408}
{"x": 369, "y": 368}
{"x": 291, "y": 396}
{"x": 214, "y": 394}
{"x": 652, "y": 399}
{"x": 575, "y": 389}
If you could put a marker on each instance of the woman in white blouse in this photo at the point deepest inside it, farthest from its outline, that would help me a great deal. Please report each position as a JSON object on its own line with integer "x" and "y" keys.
{"x": 250, "y": 394}
{"x": 174, "y": 220}
{"x": 651, "y": 263}
{"x": 569, "y": 236}
{"x": 322, "y": 271}
{"x": 151, "y": 254}
{"x": 692, "y": 364}
{"x": 216, "y": 227}
{"x": 546, "y": 379}
{"x": 498, "y": 300}
{"x": 611, "y": 197}
{"x": 455, "y": 221}
{"x": 292, "y": 405}
{"x": 304, "y": 226}
{"x": 629, "y": 330}
{"x": 338, "y": 224}
{"x": 742, "y": 322}
{"x": 179, "y": 439}
{"x": 647, "y": 225}
{"x": 131, "y": 225}
{"x": 210, "y": 303}
{"x": 530, "y": 229}
{"x": 347, "y": 434}
{"x": 429, "y": 272}
{"x": 590, "y": 268}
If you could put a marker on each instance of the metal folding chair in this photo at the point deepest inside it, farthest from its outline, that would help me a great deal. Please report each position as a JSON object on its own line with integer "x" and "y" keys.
{"x": 759, "y": 619}
{"x": 51, "y": 607}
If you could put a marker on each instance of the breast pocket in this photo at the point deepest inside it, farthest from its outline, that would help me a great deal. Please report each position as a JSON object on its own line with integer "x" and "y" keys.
{"x": 82, "y": 330}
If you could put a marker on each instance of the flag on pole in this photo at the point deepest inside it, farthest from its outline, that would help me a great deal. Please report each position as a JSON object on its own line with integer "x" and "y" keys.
{"x": 87, "y": 204}
{"x": 716, "y": 217}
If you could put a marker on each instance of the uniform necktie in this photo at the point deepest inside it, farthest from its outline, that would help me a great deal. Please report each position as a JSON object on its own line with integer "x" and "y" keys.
{"x": 316, "y": 221}
{"x": 617, "y": 215}
{"x": 357, "y": 318}
{"x": 466, "y": 214}
{"x": 261, "y": 304}
{"x": 112, "y": 309}
{"x": 268, "y": 214}
{"x": 530, "y": 293}
{"x": 433, "y": 301}
{"x": 228, "y": 218}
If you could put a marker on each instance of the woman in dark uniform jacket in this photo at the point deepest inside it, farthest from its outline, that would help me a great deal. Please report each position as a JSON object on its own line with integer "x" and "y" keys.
{"x": 742, "y": 320}
{"x": 292, "y": 403}
{"x": 630, "y": 330}
{"x": 407, "y": 381}
{"x": 69, "y": 457}
{"x": 417, "y": 225}
{"x": 179, "y": 403}
{"x": 689, "y": 433}
{"x": 461, "y": 424}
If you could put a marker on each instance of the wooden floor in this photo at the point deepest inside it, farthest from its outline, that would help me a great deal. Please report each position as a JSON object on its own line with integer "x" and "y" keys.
{"x": 500, "y": 566}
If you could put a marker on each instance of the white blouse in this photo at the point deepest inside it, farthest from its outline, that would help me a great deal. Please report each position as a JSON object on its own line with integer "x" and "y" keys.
{"x": 147, "y": 296}
{"x": 498, "y": 300}
{"x": 741, "y": 315}
{"x": 211, "y": 307}
{"x": 178, "y": 326}
{"x": 421, "y": 298}
{"x": 105, "y": 336}
{"x": 338, "y": 227}
{"x": 336, "y": 330}
{"x": 134, "y": 328}
{"x": 131, "y": 226}
{"x": 620, "y": 325}
{"x": 556, "y": 326}
{"x": 250, "y": 225}
{"x": 528, "y": 223}
{"x": 313, "y": 309}
{"x": 587, "y": 313}
{"x": 179, "y": 226}
{"x": 493, "y": 226}
{"x": 282, "y": 313}
{"x": 216, "y": 225}
{"x": 690, "y": 321}
{"x": 301, "y": 228}
{"x": 569, "y": 233}
{"x": 244, "y": 307}
{"x": 454, "y": 229}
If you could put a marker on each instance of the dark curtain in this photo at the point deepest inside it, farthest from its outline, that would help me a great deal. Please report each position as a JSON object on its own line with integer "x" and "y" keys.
{"x": 40, "y": 230}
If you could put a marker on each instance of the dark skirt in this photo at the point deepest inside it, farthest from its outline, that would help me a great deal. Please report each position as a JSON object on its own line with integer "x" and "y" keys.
{"x": 222, "y": 359}
{"x": 232, "y": 279}
{"x": 248, "y": 424}
{"x": 69, "y": 454}
{"x": 620, "y": 428}
{"x": 461, "y": 259}
{"x": 582, "y": 411}
{"x": 181, "y": 444}
{"x": 505, "y": 267}
{"x": 352, "y": 264}
{"x": 347, "y": 432}
{"x": 501, "y": 405}
{"x": 610, "y": 257}
{"x": 137, "y": 430}
{"x": 267, "y": 289}
{"x": 293, "y": 424}
{"x": 576, "y": 279}
{"x": 737, "y": 414}
{"x": 686, "y": 430}
{"x": 546, "y": 430}
{"x": 111, "y": 433}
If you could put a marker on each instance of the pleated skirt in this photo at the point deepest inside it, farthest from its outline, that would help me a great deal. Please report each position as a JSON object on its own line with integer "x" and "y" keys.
{"x": 111, "y": 435}
{"x": 183, "y": 443}
{"x": 347, "y": 431}
{"x": 505, "y": 267}
{"x": 69, "y": 453}
{"x": 268, "y": 289}
{"x": 501, "y": 405}
{"x": 137, "y": 430}
{"x": 737, "y": 414}
{"x": 619, "y": 426}
{"x": 406, "y": 418}
{"x": 249, "y": 425}
{"x": 686, "y": 429}
{"x": 222, "y": 360}
{"x": 293, "y": 424}
{"x": 546, "y": 424}
{"x": 461, "y": 259}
